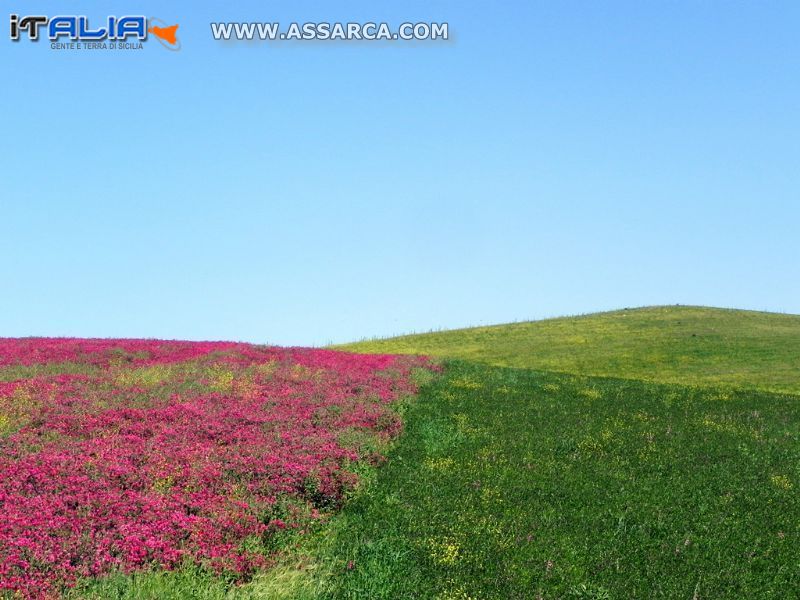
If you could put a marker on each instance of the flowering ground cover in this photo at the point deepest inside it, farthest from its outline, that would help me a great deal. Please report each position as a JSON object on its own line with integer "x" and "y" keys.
{"x": 120, "y": 455}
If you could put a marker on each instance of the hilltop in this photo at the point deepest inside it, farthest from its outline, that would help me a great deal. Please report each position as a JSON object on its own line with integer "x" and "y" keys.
{"x": 671, "y": 344}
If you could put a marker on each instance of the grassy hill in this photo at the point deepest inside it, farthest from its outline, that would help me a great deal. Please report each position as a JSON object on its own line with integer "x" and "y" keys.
{"x": 517, "y": 484}
{"x": 675, "y": 344}
{"x": 590, "y": 470}
{"x": 565, "y": 458}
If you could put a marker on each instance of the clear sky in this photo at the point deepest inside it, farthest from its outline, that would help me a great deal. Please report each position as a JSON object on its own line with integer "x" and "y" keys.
{"x": 552, "y": 158}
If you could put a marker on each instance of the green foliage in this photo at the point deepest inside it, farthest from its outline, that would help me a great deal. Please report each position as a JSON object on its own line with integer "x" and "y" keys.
{"x": 511, "y": 484}
{"x": 189, "y": 582}
{"x": 518, "y": 484}
{"x": 676, "y": 344}
{"x": 16, "y": 372}
{"x": 285, "y": 581}
{"x": 515, "y": 483}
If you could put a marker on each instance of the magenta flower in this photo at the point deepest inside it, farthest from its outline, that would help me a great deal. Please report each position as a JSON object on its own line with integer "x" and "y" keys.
{"x": 144, "y": 452}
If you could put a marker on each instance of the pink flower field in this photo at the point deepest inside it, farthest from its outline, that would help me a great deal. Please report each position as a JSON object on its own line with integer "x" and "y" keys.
{"x": 133, "y": 454}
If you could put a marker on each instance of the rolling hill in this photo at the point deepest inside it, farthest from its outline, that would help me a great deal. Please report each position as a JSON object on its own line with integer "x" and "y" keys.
{"x": 631, "y": 454}
{"x": 520, "y": 484}
{"x": 646, "y": 453}
{"x": 671, "y": 344}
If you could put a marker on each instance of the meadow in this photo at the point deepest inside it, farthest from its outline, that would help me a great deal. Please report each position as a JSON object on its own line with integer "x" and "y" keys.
{"x": 652, "y": 453}
{"x": 513, "y": 483}
{"x": 124, "y": 455}
{"x": 646, "y": 453}
{"x": 671, "y": 344}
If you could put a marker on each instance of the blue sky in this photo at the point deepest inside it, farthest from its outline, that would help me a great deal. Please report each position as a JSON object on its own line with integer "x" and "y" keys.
{"x": 552, "y": 158}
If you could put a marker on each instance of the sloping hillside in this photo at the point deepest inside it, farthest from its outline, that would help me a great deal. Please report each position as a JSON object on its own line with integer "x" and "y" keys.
{"x": 676, "y": 344}
{"x": 518, "y": 484}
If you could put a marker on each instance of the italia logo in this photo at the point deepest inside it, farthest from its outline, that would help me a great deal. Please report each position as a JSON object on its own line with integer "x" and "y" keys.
{"x": 114, "y": 30}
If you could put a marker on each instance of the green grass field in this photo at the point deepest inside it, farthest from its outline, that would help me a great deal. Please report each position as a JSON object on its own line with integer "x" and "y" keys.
{"x": 649, "y": 453}
{"x": 513, "y": 483}
{"x": 673, "y": 476}
{"x": 520, "y": 484}
{"x": 676, "y": 344}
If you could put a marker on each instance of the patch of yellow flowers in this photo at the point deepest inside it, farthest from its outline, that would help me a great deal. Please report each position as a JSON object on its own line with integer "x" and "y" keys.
{"x": 455, "y": 591}
{"x": 221, "y": 378}
{"x": 145, "y": 376}
{"x": 443, "y": 551}
{"x": 782, "y": 482}
{"x": 466, "y": 384}
{"x": 439, "y": 464}
{"x": 591, "y": 393}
